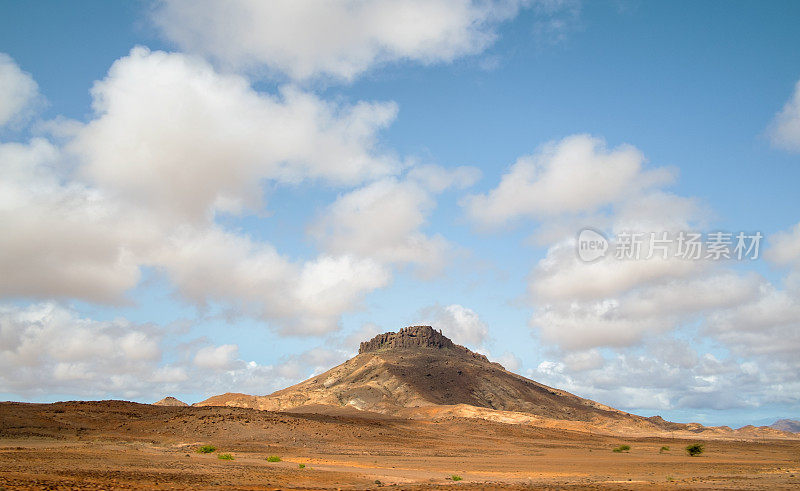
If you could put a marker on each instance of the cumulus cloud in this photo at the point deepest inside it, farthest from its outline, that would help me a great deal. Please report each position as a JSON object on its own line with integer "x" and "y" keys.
{"x": 636, "y": 310}
{"x": 621, "y": 302}
{"x": 150, "y": 178}
{"x": 575, "y": 175}
{"x": 669, "y": 374}
{"x": 509, "y": 360}
{"x": 461, "y": 324}
{"x": 217, "y": 357}
{"x": 171, "y": 133}
{"x": 767, "y": 324}
{"x": 382, "y": 220}
{"x": 17, "y": 90}
{"x": 615, "y": 301}
{"x": 612, "y": 323}
{"x": 339, "y": 39}
{"x": 784, "y": 131}
{"x": 62, "y": 238}
{"x": 69, "y": 240}
{"x": 436, "y": 178}
{"x": 46, "y": 348}
{"x": 311, "y": 362}
{"x": 784, "y": 251}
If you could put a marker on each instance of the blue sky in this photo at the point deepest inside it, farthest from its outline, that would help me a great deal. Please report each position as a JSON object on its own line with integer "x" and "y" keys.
{"x": 248, "y": 192}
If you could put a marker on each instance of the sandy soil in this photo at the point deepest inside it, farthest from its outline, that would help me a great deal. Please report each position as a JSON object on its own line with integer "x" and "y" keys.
{"x": 120, "y": 445}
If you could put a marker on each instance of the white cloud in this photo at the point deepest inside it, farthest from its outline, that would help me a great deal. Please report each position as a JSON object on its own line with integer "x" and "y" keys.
{"x": 621, "y": 302}
{"x": 784, "y": 247}
{"x": 634, "y": 308}
{"x": 311, "y": 362}
{"x": 44, "y": 347}
{"x": 509, "y": 360}
{"x": 330, "y": 285}
{"x": 217, "y": 357}
{"x": 784, "y": 131}
{"x": 437, "y": 179}
{"x": 459, "y": 323}
{"x": 302, "y": 298}
{"x": 610, "y": 302}
{"x": 303, "y": 39}
{"x": 668, "y": 374}
{"x": 65, "y": 239}
{"x": 62, "y": 238}
{"x": 382, "y": 220}
{"x": 575, "y": 175}
{"x": 17, "y": 90}
{"x": 351, "y": 341}
{"x": 48, "y": 349}
{"x": 173, "y": 143}
{"x": 768, "y": 324}
{"x": 784, "y": 250}
{"x": 580, "y": 361}
{"x": 171, "y": 133}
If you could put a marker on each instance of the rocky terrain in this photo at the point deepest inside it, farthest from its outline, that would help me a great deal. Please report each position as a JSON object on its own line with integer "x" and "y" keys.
{"x": 419, "y": 373}
{"x": 412, "y": 410}
{"x": 124, "y": 445}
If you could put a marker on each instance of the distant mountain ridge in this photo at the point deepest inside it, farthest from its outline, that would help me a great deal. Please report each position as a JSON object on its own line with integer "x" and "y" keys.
{"x": 790, "y": 425}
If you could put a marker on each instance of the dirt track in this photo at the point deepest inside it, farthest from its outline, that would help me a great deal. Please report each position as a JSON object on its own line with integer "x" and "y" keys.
{"x": 110, "y": 444}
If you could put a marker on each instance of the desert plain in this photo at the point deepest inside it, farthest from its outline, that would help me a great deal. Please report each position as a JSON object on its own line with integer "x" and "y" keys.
{"x": 124, "y": 445}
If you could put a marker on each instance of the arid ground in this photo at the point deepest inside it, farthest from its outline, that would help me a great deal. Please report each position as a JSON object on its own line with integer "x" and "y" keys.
{"x": 122, "y": 445}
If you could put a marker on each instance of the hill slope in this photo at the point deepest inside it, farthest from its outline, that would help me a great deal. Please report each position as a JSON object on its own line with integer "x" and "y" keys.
{"x": 418, "y": 367}
{"x": 790, "y": 425}
{"x": 170, "y": 401}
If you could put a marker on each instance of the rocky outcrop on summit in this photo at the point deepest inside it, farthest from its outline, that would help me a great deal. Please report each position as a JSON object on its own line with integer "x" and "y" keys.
{"x": 416, "y": 337}
{"x": 408, "y": 337}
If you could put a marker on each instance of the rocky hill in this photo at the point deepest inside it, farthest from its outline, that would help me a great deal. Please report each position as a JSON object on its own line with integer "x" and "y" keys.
{"x": 790, "y": 425}
{"x": 170, "y": 401}
{"x": 420, "y": 368}
{"x": 419, "y": 373}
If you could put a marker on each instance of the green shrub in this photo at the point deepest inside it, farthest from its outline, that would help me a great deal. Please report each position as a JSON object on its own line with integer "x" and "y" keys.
{"x": 273, "y": 458}
{"x": 301, "y": 466}
{"x": 694, "y": 449}
{"x": 455, "y": 477}
{"x": 664, "y": 449}
{"x": 622, "y": 448}
{"x": 225, "y": 456}
{"x": 206, "y": 449}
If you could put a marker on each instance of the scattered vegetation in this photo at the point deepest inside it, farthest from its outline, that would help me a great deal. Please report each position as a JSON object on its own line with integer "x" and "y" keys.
{"x": 622, "y": 448}
{"x": 225, "y": 456}
{"x": 378, "y": 482}
{"x": 664, "y": 449}
{"x": 455, "y": 477}
{"x": 301, "y": 466}
{"x": 694, "y": 449}
{"x": 670, "y": 479}
{"x": 273, "y": 458}
{"x": 206, "y": 449}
